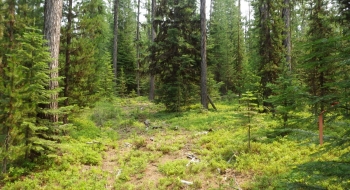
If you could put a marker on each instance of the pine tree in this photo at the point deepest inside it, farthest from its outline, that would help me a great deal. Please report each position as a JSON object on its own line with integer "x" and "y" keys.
{"x": 221, "y": 43}
{"x": 52, "y": 27}
{"x": 286, "y": 92}
{"x": 84, "y": 42}
{"x": 204, "y": 91}
{"x": 23, "y": 91}
{"x": 177, "y": 53}
{"x": 318, "y": 70}
{"x": 115, "y": 39}
{"x": 239, "y": 54}
{"x": 270, "y": 48}
{"x": 152, "y": 56}
{"x": 126, "y": 43}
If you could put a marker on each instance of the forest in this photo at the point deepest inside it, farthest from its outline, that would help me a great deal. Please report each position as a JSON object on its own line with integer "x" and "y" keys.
{"x": 175, "y": 94}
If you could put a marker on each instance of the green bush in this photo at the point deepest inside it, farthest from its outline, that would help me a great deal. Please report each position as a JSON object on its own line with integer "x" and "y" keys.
{"x": 84, "y": 128}
{"x": 177, "y": 167}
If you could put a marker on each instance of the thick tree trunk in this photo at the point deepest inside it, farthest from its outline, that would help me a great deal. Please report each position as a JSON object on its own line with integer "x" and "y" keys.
{"x": 115, "y": 40}
{"x": 52, "y": 27}
{"x": 153, "y": 33}
{"x": 204, "y": 99}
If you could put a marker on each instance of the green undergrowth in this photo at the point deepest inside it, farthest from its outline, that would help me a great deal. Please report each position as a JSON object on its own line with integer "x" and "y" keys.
{"x": 156, "y": 157}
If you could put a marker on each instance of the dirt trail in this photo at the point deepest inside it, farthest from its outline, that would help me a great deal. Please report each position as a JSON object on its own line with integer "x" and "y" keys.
{"x": 169, "y": 146}
{"x": 152, "y": 175}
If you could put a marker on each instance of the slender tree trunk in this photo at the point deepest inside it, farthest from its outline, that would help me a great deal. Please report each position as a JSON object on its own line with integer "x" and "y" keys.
{"x": 250, "y": 37}
{"x": 115, "y": 40}
{"x": 153, "y": 33}
{"x": 239, "y": 55}
{"x": 286, "y": 33}
{"x": 52, "y": 27}
{"x": 287, "y": 46}
{"x": 67, "y": 65}
{"x": 204, "y": 92}
{"x": 138, "y": 48}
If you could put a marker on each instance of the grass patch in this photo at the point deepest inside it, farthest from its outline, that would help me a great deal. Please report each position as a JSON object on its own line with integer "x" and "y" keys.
{"x": 94, "y": 155}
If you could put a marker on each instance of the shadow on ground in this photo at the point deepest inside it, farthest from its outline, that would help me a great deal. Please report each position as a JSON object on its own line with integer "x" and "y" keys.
{"x": 317, "y": 174}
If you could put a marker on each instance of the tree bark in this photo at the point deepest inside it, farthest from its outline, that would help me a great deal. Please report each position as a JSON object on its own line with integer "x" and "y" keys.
{"x": 115, "y": 40}
{"x": 204, "y": 99}
{"x": 52, "y": 27}
{"x": 153, "y": 33}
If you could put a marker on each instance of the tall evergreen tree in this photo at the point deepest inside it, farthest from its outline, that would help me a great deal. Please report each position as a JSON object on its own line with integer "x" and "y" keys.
{"x": 52, "y": 17}
{"x": 24, "y": 76}
{"x": 318, "y": 70}
{"x": 270, "y": 48}
{"x": 138, "y": 43}
{"x": 204, "y": 98}
{"x": 153, "y": 36}
{"x": 85, "y": 36}
{"x": 239, "y": 54}
{"x": 177, "y": 53}
{"x": 126, "y": 43}
{"x": 115, "y": 38}
{"x": 225, "y": 50}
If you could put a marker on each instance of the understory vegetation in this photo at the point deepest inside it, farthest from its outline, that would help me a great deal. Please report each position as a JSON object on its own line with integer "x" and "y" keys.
{"x": 132, "y": 143}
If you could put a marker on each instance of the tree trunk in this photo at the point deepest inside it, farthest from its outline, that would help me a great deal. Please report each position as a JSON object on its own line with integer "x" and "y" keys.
{"x": 67, "y": 65}
{"x": 52, "y": 27}
{"x": 286, "y": 33}
{"x": 153, "y": 33}
{"x": 115, "y": 40}
{"x": 239, "y": 55}
{"x": 152, "y": 87}
{"x": 204, "y": 99}
{"x": 138, "y": 48}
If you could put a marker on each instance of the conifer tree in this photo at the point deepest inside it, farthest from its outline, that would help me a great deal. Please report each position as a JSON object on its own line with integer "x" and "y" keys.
{"x": 286, "y": 92}
{"x": 239, "y": 55}
{"x": 138, "y": 43}
{"x": 24, "y": 76}
{"x": 177, "y": 53}
{"x": 270, "y": 48}
{"x": 343, "y": 79}
{"x": 84, "y": 44}
{"x": 204, "y": 91}
{"x": 126, "y": 43}
{"x": 318, "y": 70}
{"x": 52, "y": 27}
{"x": 152, "y": 56}
{"x": 226, "y": 54}
{"x": 7, "y": 114}
{"x": 221, "y": 49}
{"x": 115, "y": 39}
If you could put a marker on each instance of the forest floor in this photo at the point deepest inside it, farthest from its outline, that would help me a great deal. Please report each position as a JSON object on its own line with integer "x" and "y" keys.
{"x": 151, "y": 176}
{"x": 134, "y": 144}
{"x": 175, "y": 162}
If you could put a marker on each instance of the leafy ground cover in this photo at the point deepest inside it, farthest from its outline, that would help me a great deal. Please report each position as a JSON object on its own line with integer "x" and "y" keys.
{"x": 111, "y": 147}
